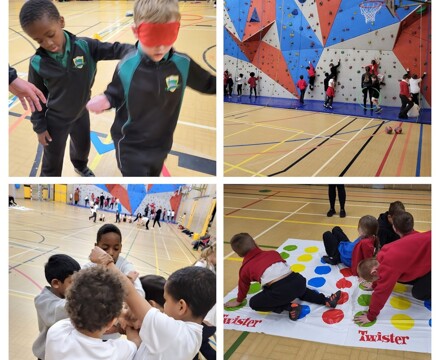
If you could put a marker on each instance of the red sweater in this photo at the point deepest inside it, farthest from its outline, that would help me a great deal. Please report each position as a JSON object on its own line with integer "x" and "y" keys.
{"x": 330, "y": 91}
{"x": 252, "y": 82}
{"x": 404, "y": 89}
{"x": 311, "y": 71}
{"x": 364, "y": 249}
{"x": 302, "y": 84}
{"x": 404, "y": 260}
{"x": 254, "y": 265}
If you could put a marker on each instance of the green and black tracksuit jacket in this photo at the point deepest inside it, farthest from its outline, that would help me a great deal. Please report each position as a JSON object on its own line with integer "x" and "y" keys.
{"x": 147, "y": 96}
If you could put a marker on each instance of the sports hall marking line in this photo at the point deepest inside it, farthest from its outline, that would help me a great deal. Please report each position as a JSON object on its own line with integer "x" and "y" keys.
{"x": 262, "y": 152}
{"x": 235, "y": 345}
{"x": 341, "y": 149}
{"x": 205, "y": 58}
{"x": 28, "y": 277}
{"x": 186, "y": 123}
{"x": 235, "y": 259}
{"x": 24, "y": 37}
{"x": 37, "y": 160}
{"x": 27, "y": 297}
{"x": 419, "y": 152}
{"x": 246, "y": 111}
{"x": 132, "y": 242}
{"x": 97, "y": 159}
{"x": 155, "y": 253}
{"x": 309, "y": 152}
{"x": 242, "y": 169}
{"x": 33, "y": 258}
{"x": 18, "y": 121}
{"x": 165, "y": 171}
{"x": 268, "y": 127}
{"x": 404, "y": 151}
{"x": 387, "y": 153}
{"x": 239, "y": 132}
{"x": 179, "y": 238}
{"x": 360, "y": 150}
{"x": 23, "y": 294}
{"x": 252, "y": 203}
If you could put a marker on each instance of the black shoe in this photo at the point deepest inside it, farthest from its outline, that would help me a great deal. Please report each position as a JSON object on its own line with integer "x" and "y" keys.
{"x": 86, "y": 172}
{"x": 342, "y": 213}
{"x": 333, "y": 299}
{"x": 329, "y": 260}
{"x": 294, "y": 311}
{"x": 331, "y": 212}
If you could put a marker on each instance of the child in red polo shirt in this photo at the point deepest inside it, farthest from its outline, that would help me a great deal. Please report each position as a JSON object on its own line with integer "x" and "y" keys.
{"x": 302, "y": 86}
{"x": 312, "y": 73}
{"x": 252, "y": 84}
{"x": 329, "y": 94}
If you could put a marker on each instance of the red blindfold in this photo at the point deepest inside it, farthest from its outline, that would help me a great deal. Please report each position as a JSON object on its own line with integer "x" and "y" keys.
{"x": 158, "y": 34}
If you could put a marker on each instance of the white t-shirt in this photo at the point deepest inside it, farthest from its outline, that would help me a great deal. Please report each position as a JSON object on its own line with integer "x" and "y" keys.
{"x": 50, "y": 309}
{"x": 275, "y": 271}
{"x": 414, "y": 87}
{"x": 164, "y": 338}
{"x": 66, "y": 343}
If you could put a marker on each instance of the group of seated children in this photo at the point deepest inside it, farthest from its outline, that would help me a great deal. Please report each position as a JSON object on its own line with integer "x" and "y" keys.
{"x": 407, "y": 260}
{"x": 87, "y": 309}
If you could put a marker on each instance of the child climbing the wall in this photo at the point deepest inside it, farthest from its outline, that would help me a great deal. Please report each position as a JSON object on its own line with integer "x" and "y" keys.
{"x": 312, "y": 74}
{"x": 302, "y": 86}
{"x": 327, "y": 78}
{"x": 405, "y": 97}
{"x": 414, "y": 87}
{"x": 280, "y": 285}
{"x": 329, "y": 94}
{"x": 334, "y": 70}
{"x": 252, "y": 84}
{"x": 239, "y": 81}
{"x": 340, "y": 249}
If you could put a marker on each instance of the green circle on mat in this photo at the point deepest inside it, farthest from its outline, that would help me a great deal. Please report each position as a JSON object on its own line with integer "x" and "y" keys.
{"x": 234, "y": 308}
{"x": 284, "y": 255}
{"x": 264, "y": 191}
{"x": 290, "y": 247}
{"x": 254, "y": 288}
{"x": 362, "y": 287}
{"x": 364, "y": 300}
{"x": 371, "y": 323}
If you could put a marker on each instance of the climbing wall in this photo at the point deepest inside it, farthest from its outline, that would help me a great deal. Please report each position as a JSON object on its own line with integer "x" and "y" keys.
{"x": 277, "y": 39}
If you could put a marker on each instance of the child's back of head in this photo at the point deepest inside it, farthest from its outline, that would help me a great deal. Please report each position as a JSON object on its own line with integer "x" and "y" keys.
{"x": 153, "y": 286}
{"x": 403, "y": 222}
{"x": 368, "y": 225}
{"x": 194, "y": 285}
{"x": 242, "y": 243}
{"x": 395, "y": 207}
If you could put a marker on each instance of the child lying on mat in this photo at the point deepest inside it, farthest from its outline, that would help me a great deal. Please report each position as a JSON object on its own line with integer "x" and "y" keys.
{"x": 281, "y": 286}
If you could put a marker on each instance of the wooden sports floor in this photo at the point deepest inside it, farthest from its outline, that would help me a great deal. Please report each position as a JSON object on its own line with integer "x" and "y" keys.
{"x": 193, "y": 152}
{"x": 263, "y": 141}
{"x": 47, "y": 228}
{"x": 275, "y": 213}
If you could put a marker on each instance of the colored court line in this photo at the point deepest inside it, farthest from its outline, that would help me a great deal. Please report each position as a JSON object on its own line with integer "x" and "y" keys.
{"x": 245, "y": 170}
{"x": 404, "y": 151}
{"x": 387, "y": 153}
{"x": 27, "y": 277}
{"x": 155, "y": 253}
{"x": 165, "y": 171}
{"x": 18, "y": 121}
{"x": 235, "y": 345}
{"x": 235, "y": 259}
{"x": 239, "y": 132}
{"x": 419, "y": 153}
{"x": 252, "y": 203}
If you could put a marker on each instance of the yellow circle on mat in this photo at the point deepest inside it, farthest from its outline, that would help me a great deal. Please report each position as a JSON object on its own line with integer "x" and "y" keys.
{"x": 311, "y": 249}
{"x": 400, "y": 303}
{"x": 402, "y": 321}
{"x": 298, "y": 267}
{"x": 400, "y": 288}
{"x": 305, "y": 257}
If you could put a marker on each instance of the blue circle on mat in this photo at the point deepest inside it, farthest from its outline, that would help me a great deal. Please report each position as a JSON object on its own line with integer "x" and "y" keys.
{"x": 316, "y": 282}
{"x": 427, "y": 304}
{"x": 305, "y": 310}
{"x": 322, "y": 270}
{"x": 322, "y": 261}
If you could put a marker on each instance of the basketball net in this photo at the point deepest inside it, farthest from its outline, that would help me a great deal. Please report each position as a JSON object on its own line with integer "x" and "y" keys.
{"x": 369, "y": 9}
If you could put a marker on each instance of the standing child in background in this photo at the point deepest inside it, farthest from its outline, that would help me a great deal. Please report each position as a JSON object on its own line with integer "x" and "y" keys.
{"x": 94, "y": 302}
{"x": 405, "y": 97}
{"x": 239, "y": 82}
{"x": 225, "y": 82}
{"x": 64, "y": 69}
{"x": 312, "y": 74}
{"x": 281, "y": 286}
{"x": 302, "y": 86}
{"x": 51, "y": 302}
{"x": 327, "y": 78}
{"x": 341, "y": 250}
{"x": 366, "y": 84}
{"x": 148, "y": 104}
{"x": 375, "y": 92}
{"x": 330, "y": 94}
{"x": 252, "y": 81}
{"x": 230, "y": 85}
{"x": 94, "y": 211}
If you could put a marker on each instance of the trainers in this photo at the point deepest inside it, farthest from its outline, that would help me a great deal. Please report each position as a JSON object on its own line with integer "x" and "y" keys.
{"x": 331, "y": 212}
{"x": 378, "y": 110}
{"x": 342, "y": 213}
{"x": 325, "y": 105}
{"x": 330, "y": 107}
{"x": 333, "y": 299}
{"x": 86, "y": 172}
{"x": 329, "y": 260}
{"x": 294, "y": 311}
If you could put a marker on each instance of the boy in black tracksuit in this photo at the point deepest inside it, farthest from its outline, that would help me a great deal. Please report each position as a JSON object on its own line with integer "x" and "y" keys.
{"x": 64, "y": 69}
{"x": 147, "y": 91}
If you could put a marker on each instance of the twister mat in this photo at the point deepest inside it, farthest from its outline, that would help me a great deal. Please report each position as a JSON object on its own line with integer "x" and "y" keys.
{"x": 403, "y": 324}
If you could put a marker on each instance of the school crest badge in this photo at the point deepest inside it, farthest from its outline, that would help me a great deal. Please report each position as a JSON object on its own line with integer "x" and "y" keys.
{"x": 172, "y": 83}
{"x": 78, "y": 62}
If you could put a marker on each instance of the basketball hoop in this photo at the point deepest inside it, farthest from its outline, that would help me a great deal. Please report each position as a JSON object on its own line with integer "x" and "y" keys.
{"x": 370, "y": 8}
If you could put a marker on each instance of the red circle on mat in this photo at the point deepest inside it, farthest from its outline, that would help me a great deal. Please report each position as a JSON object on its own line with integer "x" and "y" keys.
{"x": 346, "y": 272}
{"x": 343, "y": 283}
{"x": 344, "y": 298}
{"x": 333, "y": 316}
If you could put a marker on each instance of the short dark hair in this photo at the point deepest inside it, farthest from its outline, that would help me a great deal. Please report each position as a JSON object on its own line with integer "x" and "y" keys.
{"x": 35, "y": 10}
{"x": 153, "y": 286}
{"x": 403, "y": 222}
{"x": 406, "y": 76}
{"x": 252, "y": 74}
{"x": 195, "y": 285}
{"x": 242, "y": 243}
{"x": 301, "y": 77}
{"x": 108, "y": 228}
{"x": 396, "y": 206}
{"x": 95, "y": 298}
{"x": 60, "y": 267}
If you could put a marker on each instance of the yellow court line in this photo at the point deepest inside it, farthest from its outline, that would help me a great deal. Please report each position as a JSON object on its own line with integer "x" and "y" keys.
{"x": 264, "y": 151}
{"x": 290, "y": 221}
{"x": 238, "y": 132}
{"x": 245, "y": 170}
{"x": 269, "y": 126}
{"x": 21, "y": 296}
{"x": 96, "y": 160}
{"x": 155, "y": 254}
{"x": 234, "y": 259}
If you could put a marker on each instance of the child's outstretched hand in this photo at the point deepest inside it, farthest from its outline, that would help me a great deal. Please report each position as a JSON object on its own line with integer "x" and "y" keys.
{"x": 99, "y": 256}
{"x": 98, "y": 104}
{"x": 361, "y": 319}
{"x": 232, "y": 303}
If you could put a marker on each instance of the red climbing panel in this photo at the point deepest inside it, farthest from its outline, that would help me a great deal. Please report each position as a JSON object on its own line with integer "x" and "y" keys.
{"x": 327, "y": 11}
